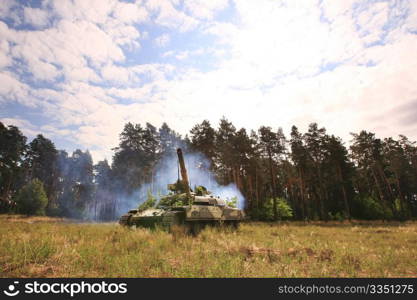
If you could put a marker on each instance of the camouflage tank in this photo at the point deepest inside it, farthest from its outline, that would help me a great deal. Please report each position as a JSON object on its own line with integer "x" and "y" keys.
{"x": 192, "y": 210}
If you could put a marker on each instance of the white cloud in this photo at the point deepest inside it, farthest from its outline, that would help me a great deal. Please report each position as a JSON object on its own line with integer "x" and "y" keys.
{"x": 31, "y": 131}
{"x": 12, "y": 89}
{"x": 95, "y": 11}
{"x": 411, "y": 21}
{"x": 8, "y": 10}
{"x": 85, "y": 35}
{"x": 35, "y": 16}
{"x": 335, "y": 9}
{"x": 205, "y": 9}
{"x": 114, "y": 73}
{"x": 372, "y": 20}
{"x": 222, "y": 30}
{"x": 123, "y": 35}
{"x": 182, "y": 55}
{"x": 5, "y": 59}
{"x": 167, "y": 15}
{"x": 168, "y": 53}
{"x": 25, "y": 126}
{"x": 68, "y": 46}
{"x": 130, "y": 12}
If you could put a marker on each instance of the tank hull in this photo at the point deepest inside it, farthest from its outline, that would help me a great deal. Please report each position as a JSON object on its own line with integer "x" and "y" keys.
{"x": 193, "y": 218}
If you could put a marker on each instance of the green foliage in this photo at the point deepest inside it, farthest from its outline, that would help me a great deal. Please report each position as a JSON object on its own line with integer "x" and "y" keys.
{"x": 400, "y": 210}
{"x": 41, "y": 158}
{"x": 370, "y": 209}
{"x": 397, "y": 205}
{"x": 284, "y": 209}
{"x": 266, "y": 213}
{"x": 173, "y": 200}
{"x": 32, "y": 199}
{"x": 12, "y": 149}
{"x": 338, "y": 216}
{"x": 200, "y": 190}
{"x": 149, "y": 202}
{"x": 177, "y": 187}
{"x": 232, "y": 202}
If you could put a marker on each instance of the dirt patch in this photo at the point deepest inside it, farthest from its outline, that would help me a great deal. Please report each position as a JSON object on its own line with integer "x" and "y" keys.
{"x": 382, "y": 231}
{"x": 353, "y": 261}
{"x": 325, "y": 255}
{"x": 271, "y": 254}
{"x": 41, "y": 271}
{"x": 309, "y": 252}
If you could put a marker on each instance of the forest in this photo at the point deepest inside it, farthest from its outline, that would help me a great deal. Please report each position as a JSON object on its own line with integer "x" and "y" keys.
{"x": 310, "y": 176}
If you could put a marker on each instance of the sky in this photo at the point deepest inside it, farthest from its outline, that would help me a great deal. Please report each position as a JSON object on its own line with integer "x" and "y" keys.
{"x": 76, "y": 71}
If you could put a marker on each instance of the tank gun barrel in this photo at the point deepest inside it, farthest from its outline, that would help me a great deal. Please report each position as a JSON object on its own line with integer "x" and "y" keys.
{"x": 184, "y": 175}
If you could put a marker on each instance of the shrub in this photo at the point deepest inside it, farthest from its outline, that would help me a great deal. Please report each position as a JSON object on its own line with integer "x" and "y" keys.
{"x": 266, "y": 212}
{"x": 32, "y": 199}
{"x": 232, "y": 202}
{"x": 148, "y": 203}
{"x": 371, "y": 209}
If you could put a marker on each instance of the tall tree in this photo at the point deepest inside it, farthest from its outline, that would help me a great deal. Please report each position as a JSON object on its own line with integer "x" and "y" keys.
{"x": 203, "y": 139}
{"x": 299, "y": 156}
{"x": 270, "y": 145}
{"x": 225, "y": 154}
{"x": 104, "y": 200}
{"x": 366, "y": 151}
{"x": 338, "y": 171}
{"x": 169, "y": 140}
{"x": 12, "y": 149}
{"x": 76, "y": 184}
{"x": 41, "y": 160}
{"x": 129, "y": 158}
{"x": 315, "y": 139}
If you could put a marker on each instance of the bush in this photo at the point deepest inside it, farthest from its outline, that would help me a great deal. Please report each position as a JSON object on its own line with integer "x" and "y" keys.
{"x": 266, "y": 212}
{"x": 32, "y": 199}
{"x": 338, "y": 216}
{"x": 284, "y": 209}
{"x": 148, "y": 203}
{"x": 232, "y": 202}
{"x": 371, "y": 209}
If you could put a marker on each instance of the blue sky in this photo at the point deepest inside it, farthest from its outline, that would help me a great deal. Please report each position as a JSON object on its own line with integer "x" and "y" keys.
{"x": 77, "y": 71}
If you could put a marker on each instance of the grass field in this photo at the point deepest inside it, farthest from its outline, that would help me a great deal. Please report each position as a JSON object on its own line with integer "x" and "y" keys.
{"x": 47, "y": 247}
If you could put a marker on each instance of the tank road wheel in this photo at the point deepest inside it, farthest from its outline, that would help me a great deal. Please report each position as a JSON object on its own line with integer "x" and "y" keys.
{"x": 232, "y": 224}
{"x": 178, "y": 231}
{"x": 194, "y": 228}
{"x": 219, "y": 224}
{"x": 235, "y": 225}
{"x": 188, "y": 227}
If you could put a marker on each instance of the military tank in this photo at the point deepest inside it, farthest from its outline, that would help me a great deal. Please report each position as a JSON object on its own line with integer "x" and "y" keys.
{"x": 190, "y": 210}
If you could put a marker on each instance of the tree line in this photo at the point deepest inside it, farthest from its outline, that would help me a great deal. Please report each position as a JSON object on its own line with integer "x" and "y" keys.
{"x": 314, "y": 174}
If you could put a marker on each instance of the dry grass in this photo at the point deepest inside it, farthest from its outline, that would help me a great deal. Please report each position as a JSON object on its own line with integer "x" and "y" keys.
{"x": 48, "y": 247}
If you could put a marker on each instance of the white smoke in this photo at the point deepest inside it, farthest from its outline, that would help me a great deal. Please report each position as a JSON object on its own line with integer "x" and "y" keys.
{"x": 167, "y": 171}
